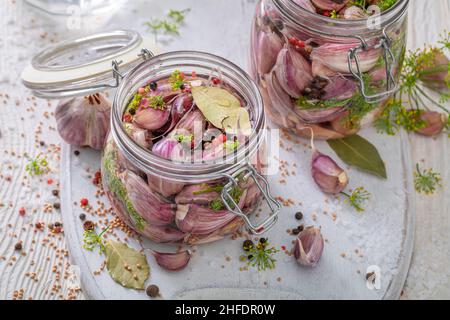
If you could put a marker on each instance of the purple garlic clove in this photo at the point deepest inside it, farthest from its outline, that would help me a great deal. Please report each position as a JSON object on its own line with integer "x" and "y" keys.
{"x": 436, "y": 76}
{"x": 319, "y": 115}
{"x": 279, "y": 99}
{"x": 330, "y": 5}
{"x": 306, "y": 4}
{"x": 269, "y": 45}
{"x": 200, "y": 220}
{"x": 163, "y": 234}
{"x": 230, "y": 228}
{"x": 341, "y": 124}
{"x": 339, "y": 88}
{"x": 334, "y": 56}
{"x": 169, "y": 148}
{"x": 173, "y": 261}
{"x": 194, "y": 194}
{"x": 141, "y": 136}
{"x": 320, "y": 70}
{"x": 327, "y": 174}
{"x": 84, "y": 122}
{"x": 163, "y": 186}
{"x": 151, "y": 119}
{"x": 293, "y": 71}
{"x": 309, "y": 247}
{"x": 149, "y": 205}
{"x": 435, "y": 123}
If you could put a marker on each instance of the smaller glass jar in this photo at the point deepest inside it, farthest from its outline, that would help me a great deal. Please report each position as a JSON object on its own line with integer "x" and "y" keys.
{"x": 170, "y": 201}
{"x": 329, "y": 75}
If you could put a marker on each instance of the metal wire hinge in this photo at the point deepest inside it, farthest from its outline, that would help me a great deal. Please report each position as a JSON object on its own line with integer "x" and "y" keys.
{"x": 390, "y": 62}
{"x": 245, "y": 173}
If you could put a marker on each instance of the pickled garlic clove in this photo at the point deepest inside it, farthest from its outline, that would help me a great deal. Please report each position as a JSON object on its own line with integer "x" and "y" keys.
{"x": 150, "y": 206}
{"x": 169, "y": 148}
{"x": 173, "y": 261}
{"x": 435, "y": 123}
{"x": 292, "y": 71}
{"x": 151, "y": 119}
{"x": 200, "y": 220}
{"x": 230, "y": 228}
{"x": 334, "y": 56}
{"x": 309, "y": 247}
{"x": 163, "y": 234}
{"x": 269, "y": 45}
{"x": 196, "y": 194}
{"x": 279, "y": 99}
{"x": 329, "y": 177}
{"x": 435, "y": 76}
{"x": 306, "y": 4}
{"x": 330, "y": 5}
{"x": 339, "y": 88}
{"x": 163, "y": 186}
{"x": 341, "y": 124}
{"x": 319, "y": 115}
{"x": 141, "y": 136}
{"x": 355, "y": 13}
{"x": 84, "y": 122}
{"x": 320, "y": 70}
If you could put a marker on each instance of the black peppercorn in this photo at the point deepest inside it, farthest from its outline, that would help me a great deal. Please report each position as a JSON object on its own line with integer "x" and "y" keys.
{"x": 42, "y": 143}
{"x": 58, "y": 224}
{"x": 299, "y": 216}
{"x": 55, "y": 193}
{"x": 182, "y": 87}
{"x": 18, "y": 246}
{"x": 132, "y": 111}
{"x": 76, "y": 152}
{"x": 152, "y": 291}
{"x": 57, "y": 205}
{"x": 82, "y": 217}
{"x": 295, "y": 231}
{"x": 263, "y": 240}
{"x": 300, "y": 228}
{"x": 153, "y": 85}
{"x": 250, "y": 257}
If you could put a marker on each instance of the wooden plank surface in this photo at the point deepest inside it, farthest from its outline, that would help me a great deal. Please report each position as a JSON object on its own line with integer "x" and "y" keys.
{"x": 40, "y": 270}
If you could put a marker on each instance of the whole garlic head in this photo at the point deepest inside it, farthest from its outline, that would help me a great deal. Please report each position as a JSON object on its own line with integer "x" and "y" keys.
{"x": 84, "y": 122}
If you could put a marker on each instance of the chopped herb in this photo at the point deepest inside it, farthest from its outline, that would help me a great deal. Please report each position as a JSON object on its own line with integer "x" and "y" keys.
{"x": 37, "y": 166}
{"x": 92, "y": 240}
{"x": 170, "y": 25}
{"x": 357, "y": 198}
{"x": 426, "y": 181}
{"x": 231, "y": 145}
{"x": 156, "y": 102}
{"x": 176, "y": 80}
{"x": 181, "y": 138}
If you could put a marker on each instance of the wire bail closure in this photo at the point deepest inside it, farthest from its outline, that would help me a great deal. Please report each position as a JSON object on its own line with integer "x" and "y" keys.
{"x": 231, "y": 205}
{"x": 145, "y": 55}
{"x": 389, "y": 60}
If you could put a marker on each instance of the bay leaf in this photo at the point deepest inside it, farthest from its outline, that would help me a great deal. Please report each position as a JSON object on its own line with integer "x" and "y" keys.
{"x": 222, "y": 109}
{"x": 127, "y": 266}
{"x": 358, "y": 152}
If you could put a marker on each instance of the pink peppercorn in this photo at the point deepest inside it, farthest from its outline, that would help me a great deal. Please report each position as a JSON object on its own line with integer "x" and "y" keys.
{"x": 22, "y": 211}
{"x": 141, "y": 90}
{"x": 84, "y": 202}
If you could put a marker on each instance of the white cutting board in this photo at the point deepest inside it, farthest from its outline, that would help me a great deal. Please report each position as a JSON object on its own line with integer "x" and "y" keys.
{"x": 383, "y": 234}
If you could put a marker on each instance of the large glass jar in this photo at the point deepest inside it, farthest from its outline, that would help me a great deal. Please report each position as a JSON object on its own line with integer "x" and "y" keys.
{"x": 169, "y": 201}
{"x": 330, "y": 75}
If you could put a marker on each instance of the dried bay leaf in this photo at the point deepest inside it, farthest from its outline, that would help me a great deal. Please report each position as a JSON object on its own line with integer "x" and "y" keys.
{"x": 222, "y": 109}
{"x": 358, "y": 152}
{"x": 127, "y": 266}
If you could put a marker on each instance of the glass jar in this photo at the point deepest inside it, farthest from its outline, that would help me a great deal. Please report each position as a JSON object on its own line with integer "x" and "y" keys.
{"x": 166, "y": 200}
{"x": 329, "y": 75}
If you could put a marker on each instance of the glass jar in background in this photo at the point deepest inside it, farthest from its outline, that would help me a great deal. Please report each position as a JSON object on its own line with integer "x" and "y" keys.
{"x": 330, "y": 75}
{"x": 169, "y": 201}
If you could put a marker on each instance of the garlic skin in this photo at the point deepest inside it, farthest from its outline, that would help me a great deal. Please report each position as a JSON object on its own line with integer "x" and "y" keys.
{"x": 435, "y": 123}
{"x": 309, "y": 247}
{"x": 84, "y": 122}
{"x": 327, "y": 174}
{"x": 173, "y": 261}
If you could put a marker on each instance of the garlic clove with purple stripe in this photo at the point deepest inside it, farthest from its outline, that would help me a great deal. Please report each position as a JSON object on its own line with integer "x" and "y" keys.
{"x": 330, "y": 5}
{"x": 173, "y": 261}
{"x": 84, "y": 122}
{"x": 327, "y": 174}
{"x": 309, "y": 247}
{"x": 141, "y": 136}
{"x": 293, "y": 71}
{"x": 151, "y": 118}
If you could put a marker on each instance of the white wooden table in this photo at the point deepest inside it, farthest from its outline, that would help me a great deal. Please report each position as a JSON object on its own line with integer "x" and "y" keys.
{"x": 40, "y": 269}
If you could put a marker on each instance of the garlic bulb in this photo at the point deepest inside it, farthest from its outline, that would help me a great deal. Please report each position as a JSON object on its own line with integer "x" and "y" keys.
{"x": 309, "y": 247}
{"x": 327, "y": 174}
{"x": 84, "y": 122}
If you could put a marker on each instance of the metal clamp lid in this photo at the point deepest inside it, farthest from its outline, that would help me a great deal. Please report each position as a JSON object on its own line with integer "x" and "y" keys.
{"x": 389, "y": 60}
{"x": 250, "y": 172}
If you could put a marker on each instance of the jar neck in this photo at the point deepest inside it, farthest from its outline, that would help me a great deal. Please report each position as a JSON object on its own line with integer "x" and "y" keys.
{"x": 302, "y": 18}
{"x": 161, "y": 67}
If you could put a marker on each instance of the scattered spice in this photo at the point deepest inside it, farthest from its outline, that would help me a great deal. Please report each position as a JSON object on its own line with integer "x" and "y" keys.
{"x": 152, "y": 291}
{"x": 299, "y": 216}
{"x": 88, "y": 225}
{"x": 18, "y": 246}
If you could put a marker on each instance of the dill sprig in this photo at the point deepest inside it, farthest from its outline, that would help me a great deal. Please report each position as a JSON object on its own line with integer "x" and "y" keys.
{"x": 37, "y": 166}
{"x": 91, "y": 240}
{"x": 170, "y": 24}
{"x": 357, "y": 198}
{"x": 156, "y": 102}
{"x": 176, "y": 80}
{"x": 426, "y": 181}
{"x": 260, "y": 256}
{"x": 217, "y": 203}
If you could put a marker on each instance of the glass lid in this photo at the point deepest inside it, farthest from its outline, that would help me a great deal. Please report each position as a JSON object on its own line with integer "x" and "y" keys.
{"x": 85, "y": 65}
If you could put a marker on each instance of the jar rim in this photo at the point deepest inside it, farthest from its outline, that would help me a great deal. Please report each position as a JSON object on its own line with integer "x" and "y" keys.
{"x": 300, "y": 16}
{"x": 150, "y": 163}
